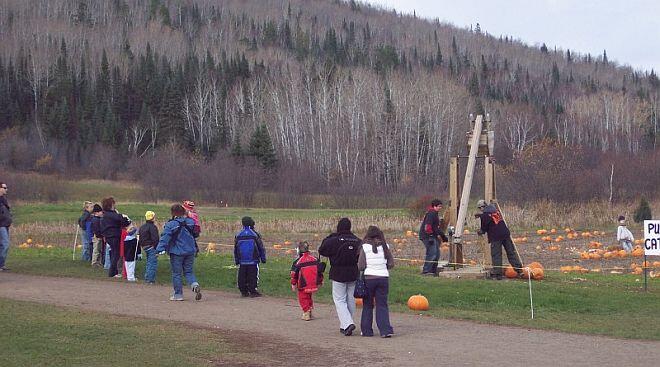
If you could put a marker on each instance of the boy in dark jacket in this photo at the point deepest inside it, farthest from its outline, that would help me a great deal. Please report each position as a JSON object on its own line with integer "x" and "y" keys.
{"x": 111, "y": 228}
{"x": 306, "y": 278}
{"x": 148, "y": 242}
{"x": 98, "y": 252}
{"x": 342, "y": 248}
{"x": 430, "y": 234}
{"x": 248, "y": 251}
{"x": 492, "y": 223}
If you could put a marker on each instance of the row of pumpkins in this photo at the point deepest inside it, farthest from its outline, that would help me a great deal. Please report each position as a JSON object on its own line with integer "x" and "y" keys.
{"x": 29, "y": 243}
{"x": 599, "y": 254}
{"x": 533, "y": 270}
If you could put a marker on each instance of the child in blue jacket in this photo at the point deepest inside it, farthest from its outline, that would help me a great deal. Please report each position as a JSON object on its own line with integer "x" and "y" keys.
{"x": 178, "y": 240}
{"x": 248, "y": 251}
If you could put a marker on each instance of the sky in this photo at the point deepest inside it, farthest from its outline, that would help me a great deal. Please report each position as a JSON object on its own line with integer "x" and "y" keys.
{"x": 629, "y": 30}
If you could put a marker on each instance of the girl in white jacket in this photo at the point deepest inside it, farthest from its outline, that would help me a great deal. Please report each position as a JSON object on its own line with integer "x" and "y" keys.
{"x": 624, "y": 236}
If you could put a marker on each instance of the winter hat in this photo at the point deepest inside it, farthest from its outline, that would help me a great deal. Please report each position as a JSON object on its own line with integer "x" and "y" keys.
{"x": 97, "y": 208}
{"x": 188, "y": 204}
{"x": 622, "y": 219}
{"x": 481, "y": 203}
{"x": 344, "y": 225}
{"x": 303, "y": 247}
{"x": 149, "y": 215}
{"x": 247, "y": 222}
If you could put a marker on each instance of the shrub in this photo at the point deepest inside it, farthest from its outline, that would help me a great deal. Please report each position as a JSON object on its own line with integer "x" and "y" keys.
{"x": 643, "y": 211}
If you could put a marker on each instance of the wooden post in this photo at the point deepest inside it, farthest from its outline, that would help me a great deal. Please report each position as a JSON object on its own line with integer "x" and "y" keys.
{"x": 489, "y": 196}
{"x": 454, "y": 201}
{"x": 465, "y": 193}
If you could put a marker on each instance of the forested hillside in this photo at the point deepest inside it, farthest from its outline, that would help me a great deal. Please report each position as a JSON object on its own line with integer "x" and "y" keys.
{"x": 309, "y": 96}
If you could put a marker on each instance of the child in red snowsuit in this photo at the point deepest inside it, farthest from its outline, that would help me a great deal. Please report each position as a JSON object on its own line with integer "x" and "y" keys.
{"x": 306, "y": 278}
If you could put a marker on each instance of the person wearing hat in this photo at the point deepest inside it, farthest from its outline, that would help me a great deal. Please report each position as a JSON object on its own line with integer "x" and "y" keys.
{"x": 624, "y": 236}
{"x": 342, "y": 248}
{"x": 149, "y": 236}
{"x": 189, "y": 205}
{"x": 492, "y": 223}
{"x": 98, "y": 252}
{"x": 86, "y": 235}
{"x": 248, "y": 252}
{"x": 431, "y": 234}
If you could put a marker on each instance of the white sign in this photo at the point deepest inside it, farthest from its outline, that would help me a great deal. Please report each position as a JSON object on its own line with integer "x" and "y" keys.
{"x": 652, "y": 237}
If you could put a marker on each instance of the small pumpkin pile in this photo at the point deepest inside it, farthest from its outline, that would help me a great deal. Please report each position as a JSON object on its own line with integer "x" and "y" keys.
{"x": 534, "y": 270}
{"x": 418, "y": 303}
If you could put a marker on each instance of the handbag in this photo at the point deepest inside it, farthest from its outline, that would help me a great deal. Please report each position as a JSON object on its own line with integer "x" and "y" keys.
{"x": 361, "y": 290}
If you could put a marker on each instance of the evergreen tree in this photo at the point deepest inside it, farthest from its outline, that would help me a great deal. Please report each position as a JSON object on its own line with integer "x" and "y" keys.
{"x": 261, "y": 147}
{"x": 643, "y": 211}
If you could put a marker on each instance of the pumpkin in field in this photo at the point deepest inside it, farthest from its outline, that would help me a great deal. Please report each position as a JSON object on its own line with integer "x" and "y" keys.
{"x": 535, "y": 265}
{"x": 622, "y": 253}
{"x": 585, "y": 255}
{"x": 541, "y": 231}
{"x": 638, "y": 271}
{"x": 418, "y": 303}
{"x": 537, "y": 273}
{"x": 526, "y": 272}
{"x": 638, "y": 252}
{"x": 594, "y": 256}
{"x": 510, "y": 272}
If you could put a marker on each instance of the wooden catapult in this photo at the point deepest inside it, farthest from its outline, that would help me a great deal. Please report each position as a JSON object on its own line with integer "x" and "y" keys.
{"x": 481, "y": 143}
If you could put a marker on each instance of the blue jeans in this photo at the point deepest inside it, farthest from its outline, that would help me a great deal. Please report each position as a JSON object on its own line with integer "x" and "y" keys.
{"x": 432, "y": 255}
{"x": 182, "y": 264}
{"x": 378, "y": 290}
{"x": 106, "y": 264}
{"x": 152, "y": 265}
{"x": 87, "y": 244}
{"x": 4, "y": 245}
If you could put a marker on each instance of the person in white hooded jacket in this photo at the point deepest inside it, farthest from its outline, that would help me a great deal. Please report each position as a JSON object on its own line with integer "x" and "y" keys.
{"x": 624, "y": 236}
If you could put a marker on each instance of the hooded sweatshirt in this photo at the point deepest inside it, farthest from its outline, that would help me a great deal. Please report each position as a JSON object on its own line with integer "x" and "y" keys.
{"x": 493, "y": 224}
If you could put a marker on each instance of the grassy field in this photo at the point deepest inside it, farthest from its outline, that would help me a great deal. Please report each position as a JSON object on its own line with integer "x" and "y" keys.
{"x": 586, "y": 303}
{"x": 45, "y": 335}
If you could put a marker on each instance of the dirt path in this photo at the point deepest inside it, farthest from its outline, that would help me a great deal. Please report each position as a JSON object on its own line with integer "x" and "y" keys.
{"x": 419, "y": 340}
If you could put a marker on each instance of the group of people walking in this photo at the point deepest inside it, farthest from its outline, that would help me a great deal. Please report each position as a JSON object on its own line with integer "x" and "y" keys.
{"x": 119, "y": 243}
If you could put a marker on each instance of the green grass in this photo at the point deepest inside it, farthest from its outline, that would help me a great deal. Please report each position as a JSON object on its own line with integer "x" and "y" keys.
{"x": 44, "y": 335}
{"x": 601, "y": 304}
{"x": 27, "y": 213}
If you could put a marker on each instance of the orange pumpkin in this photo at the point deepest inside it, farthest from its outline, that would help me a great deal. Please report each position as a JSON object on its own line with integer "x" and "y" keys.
{"x": 638, "y": 252}
{"x": 535, "y": 265}
{"x": 623, "y": 253}
{"x": 510, "y": 272}
{"x": 418, "y": 303}
{"x": 526, "y": 272}
{"x": 537, "y": 273}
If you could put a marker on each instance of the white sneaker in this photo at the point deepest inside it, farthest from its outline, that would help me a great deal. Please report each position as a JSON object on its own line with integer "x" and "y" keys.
{"x": 176, "y": 297}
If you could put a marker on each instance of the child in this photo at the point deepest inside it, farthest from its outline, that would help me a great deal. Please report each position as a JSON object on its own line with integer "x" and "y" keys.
{"x": 148, "y": 241}
{"x": 306, "y": 278}
{"x": 99, "y": 248}
{"x": 178, "y": 239}
{"x": 248, "y": 250}
{"x": 85, "y": 223}
{"x": 623, "y": 235}
{"x": 130, "y": 253}
{"x": 192, "y": 214}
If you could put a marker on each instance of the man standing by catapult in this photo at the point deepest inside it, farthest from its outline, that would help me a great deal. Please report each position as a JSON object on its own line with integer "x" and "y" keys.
{"x": 492, "y": 223}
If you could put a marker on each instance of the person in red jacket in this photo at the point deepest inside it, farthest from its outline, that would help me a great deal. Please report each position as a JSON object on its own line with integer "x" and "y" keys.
{"x": 306, "y": 278}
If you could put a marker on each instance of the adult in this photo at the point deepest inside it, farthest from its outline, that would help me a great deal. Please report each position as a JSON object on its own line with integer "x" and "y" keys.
{"x": 111, "y": 226}
{"x": 98, "y": 252}
{"x": 375, "y": 260}
{"x": 5, "y": 223}
{"x": 492, "y": 223}
{"x": 342, "y": 248}
{"x": 430, "y": 233}
{"x": 178, "y": 240}
{"x": 85, "y": 224}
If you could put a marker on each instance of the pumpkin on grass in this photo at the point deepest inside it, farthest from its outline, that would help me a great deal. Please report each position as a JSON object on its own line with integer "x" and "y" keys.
{"x": 418, "y": 303}
{"x": 510, "y": 272}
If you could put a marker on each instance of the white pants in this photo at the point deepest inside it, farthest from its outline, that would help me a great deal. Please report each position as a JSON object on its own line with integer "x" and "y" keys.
{"x": 342, "y": 294}
{"x": 130, "y": 270}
